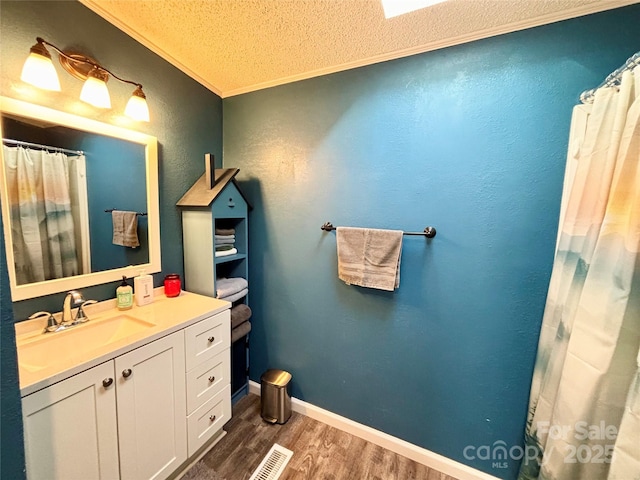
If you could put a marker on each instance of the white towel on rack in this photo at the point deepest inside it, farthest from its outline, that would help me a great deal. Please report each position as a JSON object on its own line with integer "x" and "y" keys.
{"x": 224, "y": 253}
{"x": 226, "y": 287}
{"x": 369, "y": 257}
{"x": 236, "y": 296}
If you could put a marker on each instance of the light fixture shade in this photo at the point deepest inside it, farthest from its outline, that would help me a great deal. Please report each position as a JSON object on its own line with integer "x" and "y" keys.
{"x": 137, "y": 107}
{"x": 95, "y": 92}
{"x": 38, "y": 70}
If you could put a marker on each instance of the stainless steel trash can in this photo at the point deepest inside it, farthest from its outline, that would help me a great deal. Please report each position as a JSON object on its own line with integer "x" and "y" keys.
{"x": 275, "y": 397}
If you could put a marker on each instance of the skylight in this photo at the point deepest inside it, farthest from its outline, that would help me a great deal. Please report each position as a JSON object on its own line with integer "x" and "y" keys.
{"x": 393, "y": 8}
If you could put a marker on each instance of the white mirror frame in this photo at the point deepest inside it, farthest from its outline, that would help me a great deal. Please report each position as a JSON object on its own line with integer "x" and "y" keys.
{"x": 38, "y": 289}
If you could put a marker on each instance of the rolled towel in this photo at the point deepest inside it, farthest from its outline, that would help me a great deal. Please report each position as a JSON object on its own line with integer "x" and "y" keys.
{"x": 240, "y": 314}
{"x": 223, "y": 248}
{"x": 225, "y": 231}
{"x": 224, "y": 253}
{"x": 229, "y": 286}
{"x": 236, "y": 296}
{"x": 225, "y": 237}
{"x": 241, "y": 331}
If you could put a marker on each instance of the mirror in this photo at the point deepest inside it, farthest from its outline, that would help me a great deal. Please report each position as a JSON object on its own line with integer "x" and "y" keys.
{"x": 105, "y": 167}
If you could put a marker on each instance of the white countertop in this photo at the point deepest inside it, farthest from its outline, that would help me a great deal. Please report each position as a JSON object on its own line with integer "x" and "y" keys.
{"x": 167, "y": 315}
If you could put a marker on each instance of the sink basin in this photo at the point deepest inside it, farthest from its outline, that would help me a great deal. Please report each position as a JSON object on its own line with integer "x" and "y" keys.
{"x": 43, "y": 350}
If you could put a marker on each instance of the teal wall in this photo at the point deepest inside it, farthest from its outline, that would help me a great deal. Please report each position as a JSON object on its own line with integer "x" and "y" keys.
{"x": 104, "y": 156}
{"x": 11, "y": 439}
{"x": 185, "y": 117}
{"x": 469, "y": 139}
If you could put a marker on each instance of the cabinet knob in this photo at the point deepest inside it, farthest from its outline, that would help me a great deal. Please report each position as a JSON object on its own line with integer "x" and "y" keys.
{"x": 126, "y": 372}
{"x": 211, "y": 339}
{"x": 107, "y": 382}
{"x": 212, "y": 379}
{"x": 212, "y": 418}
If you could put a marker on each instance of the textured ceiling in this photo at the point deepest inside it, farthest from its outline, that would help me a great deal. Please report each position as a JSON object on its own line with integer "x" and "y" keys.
{"x": 236, "y": 46}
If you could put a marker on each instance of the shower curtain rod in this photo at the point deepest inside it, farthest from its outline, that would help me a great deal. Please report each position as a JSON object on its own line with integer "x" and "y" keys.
{"x": 613, "y": 79}
{"x": 44, "y": 147}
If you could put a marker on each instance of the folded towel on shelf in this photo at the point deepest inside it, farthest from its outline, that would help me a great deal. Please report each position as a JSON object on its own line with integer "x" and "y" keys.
{"x": 125, "y": 228}
{"x": 225, "y": 237}
{"x": 369, "y": 257}
{"x": 225, "y": 242}
{"x": 229, "y": 286}
{"x": 225, "y": 231}
{"x": 224, "y": 253}
{"x": 241, "y": 331}
{"x": 236, "y": 296}
{"x": 223, "y": 248}
{"x": 240, "y": 314}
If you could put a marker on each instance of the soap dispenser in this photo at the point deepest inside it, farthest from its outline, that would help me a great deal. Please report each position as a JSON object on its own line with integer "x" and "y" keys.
{"x": 124, "y": 295}
{"x": 143, "y": 288}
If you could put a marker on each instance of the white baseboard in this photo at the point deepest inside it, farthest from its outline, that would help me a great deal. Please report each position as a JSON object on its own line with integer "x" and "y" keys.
{"x": 394, "y": 444}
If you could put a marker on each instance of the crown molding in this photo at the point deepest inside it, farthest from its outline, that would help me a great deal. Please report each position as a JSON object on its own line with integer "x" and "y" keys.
{"x": 580, "y": 11}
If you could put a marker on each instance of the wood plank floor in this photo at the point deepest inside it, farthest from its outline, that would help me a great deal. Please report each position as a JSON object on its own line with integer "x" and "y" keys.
{"x": 321, "y": 452}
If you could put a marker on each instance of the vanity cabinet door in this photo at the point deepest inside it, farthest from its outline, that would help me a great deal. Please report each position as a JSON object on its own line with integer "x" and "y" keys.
{"x": 70, "y": 428}
{"x": 151, "y": 404}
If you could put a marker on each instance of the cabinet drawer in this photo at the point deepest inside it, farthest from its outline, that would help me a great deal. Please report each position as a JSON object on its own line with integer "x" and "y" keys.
{"x": 207, "y": 420}
{"x": 230, "y": 203}
{"x": 207, "y": 338}
{"x": 207, "y": 379}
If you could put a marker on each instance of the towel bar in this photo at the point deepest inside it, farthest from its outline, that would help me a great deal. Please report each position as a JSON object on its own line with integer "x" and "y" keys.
{"x": 428, "y": 232}
{"x": 140, "y": 214}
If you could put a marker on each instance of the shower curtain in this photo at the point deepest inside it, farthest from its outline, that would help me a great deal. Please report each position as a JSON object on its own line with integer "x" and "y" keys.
{"x": 42, "y": 226}
{"x": 584, "y": 407}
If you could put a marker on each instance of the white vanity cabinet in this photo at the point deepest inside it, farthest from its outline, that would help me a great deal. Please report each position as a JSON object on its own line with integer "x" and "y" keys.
{"x": 70, "y": 428}
{"x": 150, "y": 396}
{"x": 138, "y": 416}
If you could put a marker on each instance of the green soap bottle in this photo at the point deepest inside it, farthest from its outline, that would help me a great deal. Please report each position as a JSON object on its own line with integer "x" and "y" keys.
{"x": 124, "y": 295}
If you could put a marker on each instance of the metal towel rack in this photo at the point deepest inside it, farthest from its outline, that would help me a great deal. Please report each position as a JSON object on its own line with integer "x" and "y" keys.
{"x": 140, "y": 214}
{"x": 428, "y": 232}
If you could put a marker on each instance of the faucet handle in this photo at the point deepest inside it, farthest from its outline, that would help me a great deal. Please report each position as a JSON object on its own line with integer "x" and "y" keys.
{"x": 52, "y": 325}
{"x": 81, "y": 317}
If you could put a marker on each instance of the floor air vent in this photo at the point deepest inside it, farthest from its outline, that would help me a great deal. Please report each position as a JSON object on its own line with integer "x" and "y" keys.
{"x": 273, "y": 464}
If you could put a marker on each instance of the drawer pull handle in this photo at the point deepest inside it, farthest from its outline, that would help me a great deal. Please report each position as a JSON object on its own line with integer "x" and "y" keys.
{"x": 126, "y": 372}
{"x": 107, "y": 382}
{"x": 212, "y": 418}
{"x": 211, "y": 339}
{"x": 212, "y": 379}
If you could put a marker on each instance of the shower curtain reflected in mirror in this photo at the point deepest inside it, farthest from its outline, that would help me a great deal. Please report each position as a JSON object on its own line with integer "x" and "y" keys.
{"x": 42, "y": 187}
{"x": 584, "y": 408}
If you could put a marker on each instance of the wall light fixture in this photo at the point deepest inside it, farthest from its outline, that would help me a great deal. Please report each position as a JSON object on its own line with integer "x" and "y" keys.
{"x": 39, "y": 71}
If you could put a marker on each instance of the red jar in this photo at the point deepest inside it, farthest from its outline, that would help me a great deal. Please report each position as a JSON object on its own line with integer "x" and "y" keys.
{"x": 172, "y": 285}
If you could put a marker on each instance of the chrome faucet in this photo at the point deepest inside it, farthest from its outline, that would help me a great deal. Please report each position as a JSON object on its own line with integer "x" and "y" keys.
{"x": 73, "y": 299}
